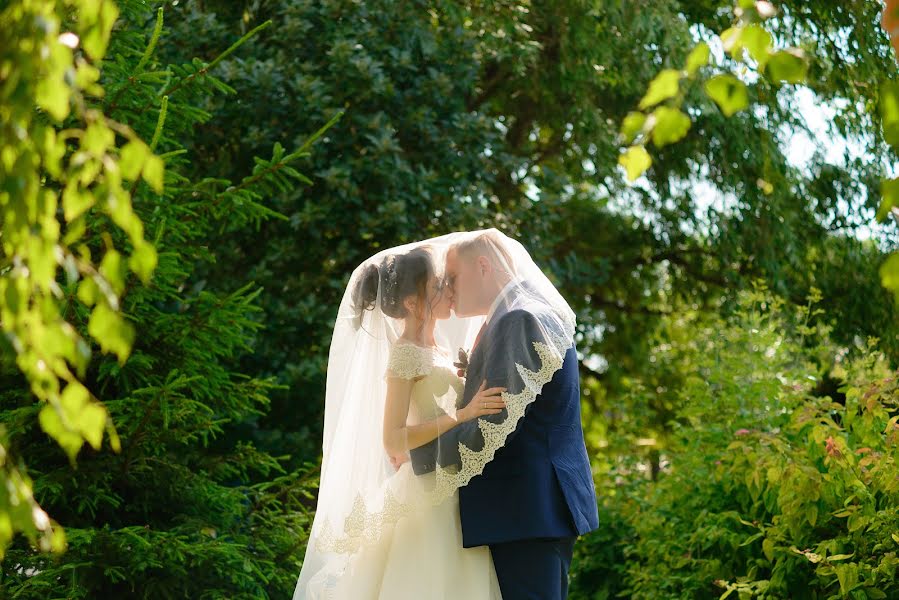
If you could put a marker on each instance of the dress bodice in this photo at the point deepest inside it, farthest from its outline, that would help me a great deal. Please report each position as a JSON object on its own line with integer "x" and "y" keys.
{"x": 436, "y": 386}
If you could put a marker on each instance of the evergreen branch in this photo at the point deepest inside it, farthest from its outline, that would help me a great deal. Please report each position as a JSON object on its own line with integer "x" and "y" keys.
{"x": 248, "y": 181}
{"x": 319, "y": 133}
{"x": 160, "y": 122}
{"x": 176, "y": 86}
{"x": 152, "y": 45}
{"x": 157, "y": 31}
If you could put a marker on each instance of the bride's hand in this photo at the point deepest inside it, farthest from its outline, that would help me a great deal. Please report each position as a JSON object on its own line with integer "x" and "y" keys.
{"x": 485, "y": 402}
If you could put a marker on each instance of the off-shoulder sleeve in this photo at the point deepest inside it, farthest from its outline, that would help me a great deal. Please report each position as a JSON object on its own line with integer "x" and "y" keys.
{"x": 408, "y": 361}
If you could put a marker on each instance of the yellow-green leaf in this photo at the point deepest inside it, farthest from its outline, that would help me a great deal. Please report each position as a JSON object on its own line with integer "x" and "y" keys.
{"x": 728, "y": 92}
{"x": 91, "y": 422}
{"x": 96, "y": 38}
{"x": 788, "y": 66}
{"x": 758, "y": 42}
{"x": 670, "y": 125}
{"x": 662, "y": 87}
{"x": 143, "y": 261}
{"x": 698, "y": 58}
{"x": 153, "y": 172}
{"x": 632, "y": 125}
{"x": 73, "y": 399}
{"x": 635, "y": 161}
{"x": 53, "y": 426}
{"x": 889, "y": 191}
{"x": 768, "y": 548}
{"x": 889, "y": 112}
{"x": 132, "y": 159}
{"x": 97, "y": 138}
{"x": 889, "y": 273}
{"x": 112, "y": 332}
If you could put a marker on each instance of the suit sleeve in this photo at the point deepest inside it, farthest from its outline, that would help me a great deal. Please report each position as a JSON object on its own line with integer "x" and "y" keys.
{"x": 511, "y": 344}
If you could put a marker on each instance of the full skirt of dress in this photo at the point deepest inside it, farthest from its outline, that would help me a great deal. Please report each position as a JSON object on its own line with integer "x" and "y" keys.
{"x": 419, "y": 558}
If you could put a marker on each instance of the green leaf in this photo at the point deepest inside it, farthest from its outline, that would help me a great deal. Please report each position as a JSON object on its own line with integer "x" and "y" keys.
{"x": 111, "y": 331}
{"x": 698, "y": 58}
{"x": 889, "y": 191}
{"x": 112, "y": 269}
{"x": 632, "y": 125}
{"x": 73, "y": 398}
{"x": 52, "y": 94}
{"x": 94, "y": 40}
{"x": 88, "y": 291}
{"x": 889, "y": 274}
{"x": 768, "y": 548}
{"x": 847, "y": 575}
{"x": 670, "y": 126}
{"x": 840, "y": 556}
{"x": 662, "y": 87}
{"x": 635, "y": 161}
{"x": 728, "y": 92}
{"x": 889, "y": 112}
{"x": 132, "y": 159}
{"x": 52, "y": 424}
{"x": 811, "y": 514}
{"x": 153, "y": 173}
{"x": 97, "y": 138}
{"x": 143, "y": 261}
{"x": 91, "y": 422}
{"x": 788, "y": 66}
{"x": 757, "y": 41}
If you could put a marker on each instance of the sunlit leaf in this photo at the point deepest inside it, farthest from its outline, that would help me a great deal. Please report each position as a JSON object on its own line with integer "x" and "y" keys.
{"x": 663, "y": 86}
{"x": 698, "y": 58}
{"x": 889, "y": 112}
{"x": 670, "y": 125}
{"x": 112, "y": 332}
{"x": 788, "y": 66}
{"x": 632, "y": 125}
{"x": 728, "y": 92}
{"x": 889, "y": 273}
{"x": 635, "y": 161}
{"x": 889, "y": 192}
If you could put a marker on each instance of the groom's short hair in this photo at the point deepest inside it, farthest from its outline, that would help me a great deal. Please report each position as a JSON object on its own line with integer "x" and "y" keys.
{"x": 490, "y": 244}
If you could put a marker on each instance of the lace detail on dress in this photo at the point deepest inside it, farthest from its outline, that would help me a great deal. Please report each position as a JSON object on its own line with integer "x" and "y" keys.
{"x": 408, "y": 361}
{"x": 364, "y": 525}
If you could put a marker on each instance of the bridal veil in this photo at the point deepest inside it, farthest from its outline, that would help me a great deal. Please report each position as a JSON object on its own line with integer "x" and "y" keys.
{"x": 362, "y": 496}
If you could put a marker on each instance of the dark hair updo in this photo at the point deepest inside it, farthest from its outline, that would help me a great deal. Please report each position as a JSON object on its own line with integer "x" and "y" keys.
{"x": 398, "y": 276}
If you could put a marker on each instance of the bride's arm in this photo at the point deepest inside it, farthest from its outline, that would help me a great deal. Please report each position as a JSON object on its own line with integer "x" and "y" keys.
{"x": 399, "y": 438}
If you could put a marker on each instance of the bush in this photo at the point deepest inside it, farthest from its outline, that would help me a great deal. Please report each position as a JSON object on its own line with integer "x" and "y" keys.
{"x": 768, "y": 487}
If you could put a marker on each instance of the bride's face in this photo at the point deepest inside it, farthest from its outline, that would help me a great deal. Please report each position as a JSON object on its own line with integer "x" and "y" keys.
{"x": 441, "y": 298}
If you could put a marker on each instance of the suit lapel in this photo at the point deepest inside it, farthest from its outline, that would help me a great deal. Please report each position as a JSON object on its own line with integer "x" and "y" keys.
{"x": 476, "y": 362}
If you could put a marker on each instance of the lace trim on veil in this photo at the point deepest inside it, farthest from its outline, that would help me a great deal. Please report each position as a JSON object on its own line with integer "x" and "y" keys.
{"x": 363, "y": 526}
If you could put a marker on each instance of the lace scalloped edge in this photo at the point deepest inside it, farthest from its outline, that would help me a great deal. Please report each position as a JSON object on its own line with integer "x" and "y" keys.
{"x": 363, "y": 527}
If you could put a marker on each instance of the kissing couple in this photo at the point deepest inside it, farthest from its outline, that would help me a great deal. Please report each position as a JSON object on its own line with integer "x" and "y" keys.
{"x": 453, "y": 456}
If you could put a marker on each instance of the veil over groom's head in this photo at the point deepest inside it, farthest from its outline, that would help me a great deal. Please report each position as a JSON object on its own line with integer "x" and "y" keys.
{"x": 478, "y": 267}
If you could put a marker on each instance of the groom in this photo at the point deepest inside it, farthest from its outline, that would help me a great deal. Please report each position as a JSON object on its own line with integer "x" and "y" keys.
{"x": 537, "y": 494}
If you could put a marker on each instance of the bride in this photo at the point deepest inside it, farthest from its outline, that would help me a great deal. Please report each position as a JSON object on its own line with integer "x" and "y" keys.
{"x": 422, "y": 556}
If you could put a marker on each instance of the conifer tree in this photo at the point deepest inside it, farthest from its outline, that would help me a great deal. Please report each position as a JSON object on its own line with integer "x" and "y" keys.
{"x": 185, "y": 506}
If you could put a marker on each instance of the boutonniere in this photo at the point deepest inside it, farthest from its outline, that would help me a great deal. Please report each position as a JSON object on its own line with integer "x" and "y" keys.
{"x": 462, "y": 363}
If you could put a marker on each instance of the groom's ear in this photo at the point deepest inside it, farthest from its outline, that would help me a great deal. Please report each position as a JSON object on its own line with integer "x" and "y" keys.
{"x": 484, "y": 265}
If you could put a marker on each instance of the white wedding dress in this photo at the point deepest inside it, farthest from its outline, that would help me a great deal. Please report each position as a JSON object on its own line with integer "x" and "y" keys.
{"x": 420, "y": 557}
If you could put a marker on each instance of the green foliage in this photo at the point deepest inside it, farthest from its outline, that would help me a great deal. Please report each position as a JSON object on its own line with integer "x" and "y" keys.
{"x": 777, "y": 481}
{"x": 55, "y": 148}
{"x": 461, "y": 116}
{"x": 187, "y": 506}
{"x": 746, "y": 42}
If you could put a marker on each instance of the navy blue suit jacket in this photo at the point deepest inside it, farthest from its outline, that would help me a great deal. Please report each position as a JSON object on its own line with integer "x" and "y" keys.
{"x": 539, "y": 484}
